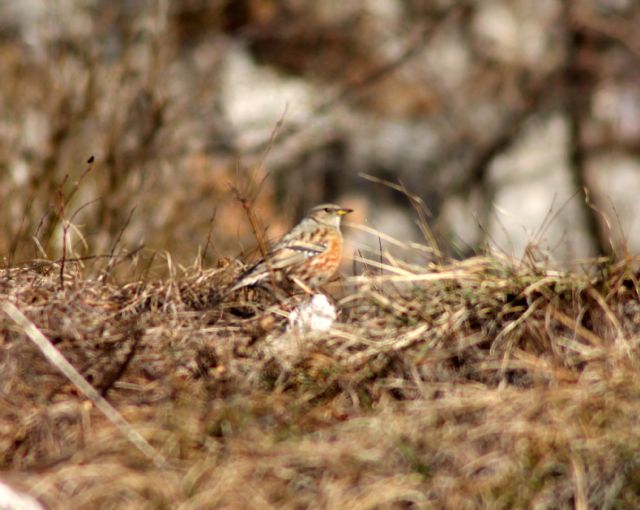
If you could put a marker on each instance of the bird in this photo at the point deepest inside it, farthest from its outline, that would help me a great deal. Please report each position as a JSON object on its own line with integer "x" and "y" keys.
{"x": 308, "y": 255}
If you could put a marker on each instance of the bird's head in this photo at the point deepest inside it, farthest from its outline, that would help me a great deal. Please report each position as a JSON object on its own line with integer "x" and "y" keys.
{"x": 328, "y": 214}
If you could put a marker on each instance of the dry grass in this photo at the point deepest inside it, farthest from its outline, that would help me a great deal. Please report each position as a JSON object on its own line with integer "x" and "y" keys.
{"x": 487, "y": 383}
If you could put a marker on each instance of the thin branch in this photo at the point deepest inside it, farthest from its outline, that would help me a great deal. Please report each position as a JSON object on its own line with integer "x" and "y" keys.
{"x": 578, "y": 90}
{"x": 115, "y": 244}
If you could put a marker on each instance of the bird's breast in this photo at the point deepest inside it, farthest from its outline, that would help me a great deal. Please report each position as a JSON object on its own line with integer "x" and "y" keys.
{"x": 326, "y": 264}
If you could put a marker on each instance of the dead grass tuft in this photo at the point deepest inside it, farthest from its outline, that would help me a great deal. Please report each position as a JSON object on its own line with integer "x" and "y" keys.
{"x": 482, "y": 383}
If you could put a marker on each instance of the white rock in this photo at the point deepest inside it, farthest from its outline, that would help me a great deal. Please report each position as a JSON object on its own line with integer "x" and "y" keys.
{"x": 315, "y": 315}
{"x": 10, "y": 499}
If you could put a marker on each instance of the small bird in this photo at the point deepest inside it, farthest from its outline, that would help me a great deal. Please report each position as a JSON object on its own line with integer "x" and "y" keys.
{"x": 308, "y": 255}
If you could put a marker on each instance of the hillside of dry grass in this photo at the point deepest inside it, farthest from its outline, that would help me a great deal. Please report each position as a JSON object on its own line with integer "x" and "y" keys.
{"x": 137, "y": 137}
{"x": 487, "y": 383}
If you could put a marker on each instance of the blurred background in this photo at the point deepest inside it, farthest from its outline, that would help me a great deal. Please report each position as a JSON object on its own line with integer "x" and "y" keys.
{"x": 132, "y": 127}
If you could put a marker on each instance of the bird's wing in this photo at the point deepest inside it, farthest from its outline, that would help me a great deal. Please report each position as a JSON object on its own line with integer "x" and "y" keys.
{"x": 294, "y": 253}
{"x": 283, "y": 256}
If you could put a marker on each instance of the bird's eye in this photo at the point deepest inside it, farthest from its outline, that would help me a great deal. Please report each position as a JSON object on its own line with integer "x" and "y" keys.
{"x": 326, "y": 209}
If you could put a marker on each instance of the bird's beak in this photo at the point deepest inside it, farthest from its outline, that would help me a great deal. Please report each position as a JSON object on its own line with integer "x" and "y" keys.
{"x": 342, "y": 212}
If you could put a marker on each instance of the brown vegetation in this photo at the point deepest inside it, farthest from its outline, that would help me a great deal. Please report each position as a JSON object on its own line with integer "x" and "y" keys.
{"x": 490, "y": 382}
{"x": 484, "y": 383}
